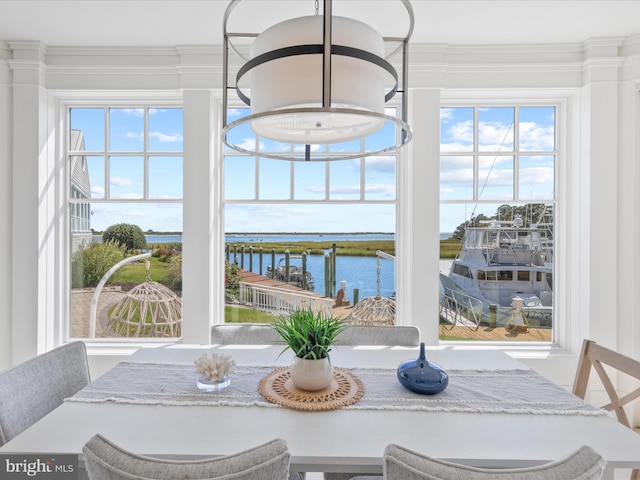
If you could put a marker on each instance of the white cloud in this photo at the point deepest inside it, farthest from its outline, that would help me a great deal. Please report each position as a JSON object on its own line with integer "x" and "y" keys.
{"x": 537, "y": 175}
{"x": 346, "y": 189}
{"x": 446, "y": 113}
{"x": 536, "y": 137}
{"x": 97, "y": 192}
{"x": 249, "y": 144}
{"x": 127, "y": 196}
{"x": 495, "y": 136}
{"x": 134, "y": 135}
{"x": 134, "y": 112}
{"x": 164, "y": 137}
{"x": 461, "y": 132}
{"x": 121, "y": 181}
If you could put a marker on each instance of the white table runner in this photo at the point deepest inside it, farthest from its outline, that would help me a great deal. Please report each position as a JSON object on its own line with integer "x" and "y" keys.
{"x": 478, "y": 391}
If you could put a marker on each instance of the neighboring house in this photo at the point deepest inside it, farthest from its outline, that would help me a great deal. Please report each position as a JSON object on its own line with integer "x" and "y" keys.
{"x": 80, "y": 214}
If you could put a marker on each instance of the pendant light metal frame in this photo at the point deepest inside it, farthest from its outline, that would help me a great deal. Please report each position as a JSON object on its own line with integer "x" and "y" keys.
{"x": 326, "y": 49}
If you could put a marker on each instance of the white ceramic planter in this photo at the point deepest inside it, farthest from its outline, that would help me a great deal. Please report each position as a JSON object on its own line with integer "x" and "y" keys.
{"x": 311, "y": 375}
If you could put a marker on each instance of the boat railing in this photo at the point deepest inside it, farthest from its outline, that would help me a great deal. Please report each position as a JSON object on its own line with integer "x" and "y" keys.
{"x": 457, "y": 307}
{"x": 279, "y": 301}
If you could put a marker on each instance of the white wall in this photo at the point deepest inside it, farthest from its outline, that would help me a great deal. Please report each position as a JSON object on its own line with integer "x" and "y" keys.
{"x": 6, "y": 192}
{"x": 600, "y": 179}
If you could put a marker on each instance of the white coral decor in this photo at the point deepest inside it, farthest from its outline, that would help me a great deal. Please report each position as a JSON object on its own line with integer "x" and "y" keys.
{"x": 215, "y": 367}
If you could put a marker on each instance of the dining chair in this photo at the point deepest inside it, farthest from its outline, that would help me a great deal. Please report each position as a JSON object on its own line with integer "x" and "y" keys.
{"x": 34, "y": 388}
{"x": 599, "y": 357}
{"x": 245, "y": 334}
{"x": 249, "y": 334}
{"x": 397, "y": 335}
{"x": 105, "y": 460}
{"x": 402, "y": 464}
{"x": 264, "y": 333}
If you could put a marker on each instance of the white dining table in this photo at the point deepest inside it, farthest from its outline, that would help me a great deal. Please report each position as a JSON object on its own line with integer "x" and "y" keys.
{"x": 344, "y": 439}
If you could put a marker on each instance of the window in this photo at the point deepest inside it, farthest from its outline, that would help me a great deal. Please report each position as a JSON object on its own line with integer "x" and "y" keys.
{"x": 307, "y": 207}
{"x": 125, "y": 202}
{"x": 497, "y": 204}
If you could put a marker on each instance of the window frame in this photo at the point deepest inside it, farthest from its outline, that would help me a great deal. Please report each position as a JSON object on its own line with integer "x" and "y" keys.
{"x": 567, "y": 321}
{"x": 398, "y": 155}
{"x": 61, "y": 103}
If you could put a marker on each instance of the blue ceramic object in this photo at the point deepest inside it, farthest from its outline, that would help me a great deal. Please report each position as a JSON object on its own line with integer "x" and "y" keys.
{"x": 421, "y": 376}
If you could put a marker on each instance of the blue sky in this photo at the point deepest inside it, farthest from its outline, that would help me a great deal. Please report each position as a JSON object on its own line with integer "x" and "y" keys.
{"x": 497, "y": 179}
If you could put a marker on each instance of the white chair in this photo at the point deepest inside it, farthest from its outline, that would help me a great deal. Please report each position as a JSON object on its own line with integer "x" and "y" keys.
{"x": 34, "y": 388}
{"x": 106, "y": 461}
{"x": 402, "y": 464}
{"x": 598, "y": 357}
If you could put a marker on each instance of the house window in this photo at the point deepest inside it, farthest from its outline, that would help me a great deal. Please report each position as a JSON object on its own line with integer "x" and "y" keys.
{"x": 125, "y": 203}
{"x": 497, "y": 203}
{"x": 332, "y": 215}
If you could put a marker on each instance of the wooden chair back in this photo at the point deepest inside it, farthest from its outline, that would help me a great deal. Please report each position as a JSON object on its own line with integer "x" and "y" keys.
{"x": 597, "y": 356}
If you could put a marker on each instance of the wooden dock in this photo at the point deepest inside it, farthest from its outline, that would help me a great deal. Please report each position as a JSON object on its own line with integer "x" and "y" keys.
{"x": 256, "y": 279}
{"x": 493, "y": 334}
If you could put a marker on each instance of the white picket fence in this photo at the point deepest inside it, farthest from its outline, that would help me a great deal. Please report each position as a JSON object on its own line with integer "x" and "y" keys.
{"x": 279, "y": 301}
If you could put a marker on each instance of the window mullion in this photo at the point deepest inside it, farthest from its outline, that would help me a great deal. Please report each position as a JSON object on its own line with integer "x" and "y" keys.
{"x": 107, "y": 157}
{"x": 145, "y": 188}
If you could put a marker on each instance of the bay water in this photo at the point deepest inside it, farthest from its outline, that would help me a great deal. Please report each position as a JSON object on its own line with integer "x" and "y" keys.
{"x": 359, "y": 272}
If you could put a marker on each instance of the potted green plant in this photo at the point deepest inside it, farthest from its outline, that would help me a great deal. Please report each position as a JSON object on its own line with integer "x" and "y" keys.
{"x": 310, "y": 335}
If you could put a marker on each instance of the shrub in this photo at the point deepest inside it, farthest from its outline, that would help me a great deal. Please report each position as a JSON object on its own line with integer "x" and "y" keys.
{"x": 232, "y": 280}
{"x": 232, "y": 276}
{"x": 174, "y": 272}
{"x": 127, "y": 235}
{"x": 89, "y": 264}
{"x": 165, "y": 254}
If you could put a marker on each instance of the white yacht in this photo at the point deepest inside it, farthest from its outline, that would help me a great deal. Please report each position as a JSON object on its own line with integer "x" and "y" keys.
{"x": 504, "y": 260}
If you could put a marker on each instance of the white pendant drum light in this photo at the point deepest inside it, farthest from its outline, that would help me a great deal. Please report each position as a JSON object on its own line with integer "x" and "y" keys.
{"x": 305, "y": 98}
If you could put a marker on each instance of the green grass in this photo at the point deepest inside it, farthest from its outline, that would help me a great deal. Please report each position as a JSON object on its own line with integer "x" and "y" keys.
{"x": 449, "y": 248}
{"x": 366, "y": 248}
{"x": 359, "y": 248}
{"x": 233, "y": 314}
{"x": 137, "y": 273}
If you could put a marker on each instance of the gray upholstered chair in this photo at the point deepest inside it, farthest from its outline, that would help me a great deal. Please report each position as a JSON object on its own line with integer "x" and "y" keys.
{"x": 106, "y": 461}
{"x": 400, "y": 335}
{"x": 264, "y": 333}
{"x": 402, "y": 464}
{"x": 34, "y": 388}
{"x": 249, "y": 334}
{"x": 245, "y": 334}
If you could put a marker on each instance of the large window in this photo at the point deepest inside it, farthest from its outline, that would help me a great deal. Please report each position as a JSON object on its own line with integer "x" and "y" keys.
{"x": 497, "y": 204}
{"x": 125, "y": 208}
{"x": 307, "y": 208}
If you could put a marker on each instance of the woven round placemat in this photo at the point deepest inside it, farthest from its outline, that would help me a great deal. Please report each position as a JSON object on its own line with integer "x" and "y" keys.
{"x": 345, "y": 389}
